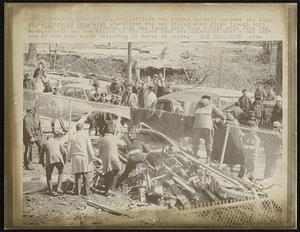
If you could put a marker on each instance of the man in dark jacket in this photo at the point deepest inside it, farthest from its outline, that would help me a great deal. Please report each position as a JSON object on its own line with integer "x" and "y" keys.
{"x": 28, "y": 136}
{"x": 38, "y": 137}
{"x": 245, "y": 102}
{"x": 203, "y": 125}
{"x": 260, "y": 92}
{"x": 53, "y": 155}
{"x": 137, "y": 153}
{"x": 277, "y": 111}
{"x": 258, "y": 108}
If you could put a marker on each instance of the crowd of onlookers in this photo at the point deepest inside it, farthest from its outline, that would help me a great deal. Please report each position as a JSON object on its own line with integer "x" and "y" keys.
{"x": 142, "y": 94}
{"x": 257, "y": 110}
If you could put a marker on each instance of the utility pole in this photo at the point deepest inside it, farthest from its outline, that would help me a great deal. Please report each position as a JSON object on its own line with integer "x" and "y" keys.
{"x": 129, "y": 64}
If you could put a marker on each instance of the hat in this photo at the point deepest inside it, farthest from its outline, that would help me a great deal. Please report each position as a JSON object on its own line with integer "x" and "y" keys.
{"x": 276, "y": 124}
{"x": 205, "y": 97}
{"x": 244, "y": 90}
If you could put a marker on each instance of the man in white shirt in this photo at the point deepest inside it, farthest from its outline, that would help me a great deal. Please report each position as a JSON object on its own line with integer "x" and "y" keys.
{"x": 81, "y": 154}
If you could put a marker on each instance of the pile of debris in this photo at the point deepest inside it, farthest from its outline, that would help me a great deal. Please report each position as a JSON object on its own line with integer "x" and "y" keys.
{"x": 175, "y": 179}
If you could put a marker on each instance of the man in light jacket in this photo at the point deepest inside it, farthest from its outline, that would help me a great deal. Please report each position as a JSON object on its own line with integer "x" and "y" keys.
{"x": 54, "y": 155}
{"x": 108, "y": 151}
{"x": 81, "y": 154}
{"x": 150, "y": 98}
{"x": 203, "y": 125}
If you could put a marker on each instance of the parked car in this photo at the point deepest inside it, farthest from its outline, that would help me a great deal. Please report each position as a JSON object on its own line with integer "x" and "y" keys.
{"x": 80, "y": 91}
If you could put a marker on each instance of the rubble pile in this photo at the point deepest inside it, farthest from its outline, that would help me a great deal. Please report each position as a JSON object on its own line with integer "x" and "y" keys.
{"x": 174, "y": 179}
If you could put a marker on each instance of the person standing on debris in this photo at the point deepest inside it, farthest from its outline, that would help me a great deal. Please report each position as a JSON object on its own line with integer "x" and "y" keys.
{"x": 108, "y": 151}
{"x": 258, "y": 108}
{"x": 39, "y": 77}
{"x": 245, "y": 102}
{"x": 277, "y": 111}
{"x": 81, "y": 154}
{"x": 203, "y": 125}
{"x": 129, "y": 98}
{"x": 272, "y": 144}
{"x": 251, "y": 143}
{"x": 54, "y": 155}
{"x": 137, "y": 153}
{"x": 150, "y": 98}
{"x": 28, "y": 136}
{"x": 260, "y": 92}
{"x": 28, "y": 83}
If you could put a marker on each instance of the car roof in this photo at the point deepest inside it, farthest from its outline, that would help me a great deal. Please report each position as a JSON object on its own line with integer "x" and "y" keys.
{"x": 185, "y": 96}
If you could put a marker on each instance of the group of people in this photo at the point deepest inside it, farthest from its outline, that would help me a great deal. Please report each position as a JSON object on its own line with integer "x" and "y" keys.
{"x": 246, "y": 110}
{"x": 242, "y": 148}
{"x": 53, "y": 153}
{"x": 142, "y": 94}
{"x": 39, "y": 82}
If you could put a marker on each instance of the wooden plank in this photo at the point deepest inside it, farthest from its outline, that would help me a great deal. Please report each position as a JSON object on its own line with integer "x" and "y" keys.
{"x": 177, "y": 192}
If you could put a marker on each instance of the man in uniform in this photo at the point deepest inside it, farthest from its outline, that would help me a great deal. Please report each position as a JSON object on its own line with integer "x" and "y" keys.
{"x": 38, "y": 137}
{"x": 203, "y": 125}
{"x": 28, "y": 135}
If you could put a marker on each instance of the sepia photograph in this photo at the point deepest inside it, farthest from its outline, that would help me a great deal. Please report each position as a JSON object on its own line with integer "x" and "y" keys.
{"x": 121, "y": 128}
{"x": 163, "y": 115}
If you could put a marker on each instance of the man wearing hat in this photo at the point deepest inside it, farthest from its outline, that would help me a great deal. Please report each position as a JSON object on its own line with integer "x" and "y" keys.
{"x": 28, "y": 135}
{"x": 108, "y": 151}
{"x": 203, "y": 125}
{"x": 251, "y": 143}
{"x": 54, "y": 156}
{"x": 245, "y": 102}
{"x": 259, "y": 110}
{"x": 272, "y": 144}
{"x": 81, "y": 153}
{"x": 129, "y": 98}
{"x": 277, "y": 111}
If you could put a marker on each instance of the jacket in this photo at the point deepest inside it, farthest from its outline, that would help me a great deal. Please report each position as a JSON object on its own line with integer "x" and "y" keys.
{"x": 245, "y": 103}
{"x": 28, "y": 127}
{"x": 130, "y": 99}
{"x": 203, "y": 116}
{"x": 81, "y": 152}
{"x": 53, "y": 151}
{"x": 108, "y": 151}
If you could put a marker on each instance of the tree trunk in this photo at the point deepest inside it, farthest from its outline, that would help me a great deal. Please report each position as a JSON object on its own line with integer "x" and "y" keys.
{"x": 32, "y": 52}
{"x": 278, "y": 82}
